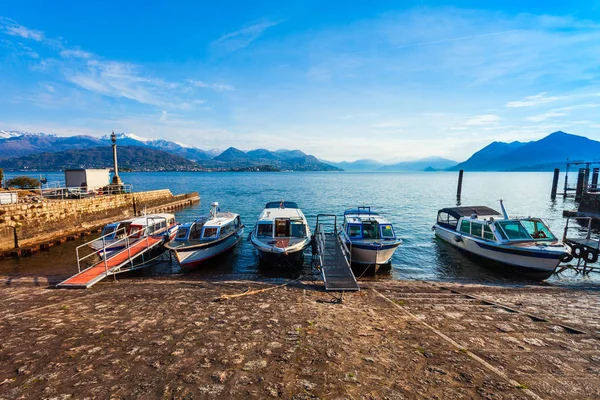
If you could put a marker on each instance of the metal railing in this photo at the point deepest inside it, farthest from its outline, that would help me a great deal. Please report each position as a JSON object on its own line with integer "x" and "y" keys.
{"x": 62, "y": 192}
{"x": 586, "y": 229}
{"x": 115, "y": 244}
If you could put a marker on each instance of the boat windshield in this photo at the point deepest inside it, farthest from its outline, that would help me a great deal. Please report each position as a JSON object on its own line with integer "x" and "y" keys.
{"x": 264, "y": 230}
{"x": 354, "y": 231}
{"x": 370, "y": 230}
{"x": 537, "y": 229}
{"x": 182, "y": 233}
{"x": 297, "y": 229}
{"x": 109, "y": 230}
{"x": 513, "y": 230}
{"x": 387, "y": 232}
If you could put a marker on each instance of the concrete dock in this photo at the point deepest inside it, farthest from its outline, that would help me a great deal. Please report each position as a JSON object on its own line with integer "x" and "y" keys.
{"x": 172, "y": 338}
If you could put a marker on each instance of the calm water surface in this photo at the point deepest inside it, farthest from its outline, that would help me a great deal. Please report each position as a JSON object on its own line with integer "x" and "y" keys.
{"x": 409, "y": 200}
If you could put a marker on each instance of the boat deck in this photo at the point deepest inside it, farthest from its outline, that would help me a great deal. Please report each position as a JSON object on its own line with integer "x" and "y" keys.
{"x": 113, "y": 264}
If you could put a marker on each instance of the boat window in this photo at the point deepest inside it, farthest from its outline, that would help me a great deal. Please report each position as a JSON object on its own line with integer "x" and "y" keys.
{"x": 387, "y": 232}
{"x": 135, "y": 231}
{"x": 537, "y": 229}
{"x": 370, "y": 231}
{"x": 465, "y": 226}
{"x": 195, "y": 231}
{"x": 487, "y": 233}
{"x": 514, "y": 230}
{"x": 108, "y": 230}
{"x": 445, "y": 218}
{"x": 237, "y": 221}
{"x": 227, "y": 228}
{"x": 264, "y": 230}
{"x": 476, "y": 229}
{"x": 282, "y": 227}
{"x": 297, "y": 229}
{"x": 210, "y": 233}
{"x": 354, "y": 231}
{"x": 182, "y": 233}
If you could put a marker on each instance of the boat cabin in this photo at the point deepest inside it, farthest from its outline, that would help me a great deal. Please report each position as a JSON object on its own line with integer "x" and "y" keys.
{"x": 205, "y": 229}
{"x": 281, "y": 220}
{"x": 490, "y": 225}
{"x": 362, "y": 223}
{"x": 116, "y": 230}
{"x": 150, "y": 225}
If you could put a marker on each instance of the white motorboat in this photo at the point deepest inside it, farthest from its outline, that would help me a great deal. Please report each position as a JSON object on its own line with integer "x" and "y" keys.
{"x": 281, "y": 233}
{"x": 206, "y": 237}
{"x": 524, "y": 244}
{"x": 117, "y": 235}
{"x": 369, "y": 236}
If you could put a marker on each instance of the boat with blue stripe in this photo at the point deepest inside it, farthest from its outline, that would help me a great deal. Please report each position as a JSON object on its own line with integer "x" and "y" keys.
{"x": 370, "y": 237}
{"x": 520, "y": 244}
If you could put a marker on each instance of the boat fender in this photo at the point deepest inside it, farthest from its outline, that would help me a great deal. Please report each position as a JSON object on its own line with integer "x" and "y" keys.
{"x": 565, "y": 258}
{"x": 458, "y": 238}
{"x": 577, "y": 251}
{"x": 590, "y": 256}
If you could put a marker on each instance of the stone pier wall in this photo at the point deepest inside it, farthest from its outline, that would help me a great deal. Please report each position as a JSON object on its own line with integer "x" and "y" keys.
{"x": 38, "y": 222}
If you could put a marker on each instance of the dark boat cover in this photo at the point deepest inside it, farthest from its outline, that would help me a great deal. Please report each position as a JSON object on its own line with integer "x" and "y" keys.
{"x": 467, "y": 211}
{"x": 281, "y": 204}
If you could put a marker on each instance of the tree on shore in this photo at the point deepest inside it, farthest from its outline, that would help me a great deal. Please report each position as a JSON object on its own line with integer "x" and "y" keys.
{"x": 23, "y": 182}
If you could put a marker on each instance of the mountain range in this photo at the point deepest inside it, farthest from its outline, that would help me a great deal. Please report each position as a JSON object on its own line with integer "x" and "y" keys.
{"x": 17, "y": 149}
{"x": 541, "y": 155}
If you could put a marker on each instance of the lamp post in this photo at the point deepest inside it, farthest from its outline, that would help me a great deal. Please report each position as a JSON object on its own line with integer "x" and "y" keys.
{"x": 116, "y": 180}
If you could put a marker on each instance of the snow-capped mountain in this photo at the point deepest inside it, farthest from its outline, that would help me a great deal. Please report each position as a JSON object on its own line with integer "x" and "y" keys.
{"x": 13, "y": 134}
{"x": 17, "y": 143}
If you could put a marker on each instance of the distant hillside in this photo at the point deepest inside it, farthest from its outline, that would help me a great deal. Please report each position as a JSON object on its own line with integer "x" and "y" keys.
{"x": 16, "y": 144}
{"x": 541, "y": 155}
{"x": 290, "y": 160}
{"x": 423, "y": 164}
{"x": 364, "y": 165}
{"x": 130, "y": 158}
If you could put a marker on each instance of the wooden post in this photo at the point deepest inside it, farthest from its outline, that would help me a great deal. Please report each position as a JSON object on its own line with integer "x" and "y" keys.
{"x": 459, "y": 189}
{"x": 554, "y": 183}
{"x": 594, "y": 185}
{"x": 580, "y": 183}
{"x": 16, "y": 237}
{"x": 586, "y": 178}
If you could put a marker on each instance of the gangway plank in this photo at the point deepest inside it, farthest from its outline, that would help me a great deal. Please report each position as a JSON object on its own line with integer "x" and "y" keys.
{"x": 333, "y": 258}
{"x": 113, "y": 264}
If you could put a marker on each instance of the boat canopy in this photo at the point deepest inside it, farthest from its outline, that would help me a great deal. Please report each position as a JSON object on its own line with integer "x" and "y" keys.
{"x": 281, "y": 204}
{"x": 467, "y": 211}
{"x": 360, "y": 211}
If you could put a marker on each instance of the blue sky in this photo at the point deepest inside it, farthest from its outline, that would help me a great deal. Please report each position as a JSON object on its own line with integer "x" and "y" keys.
{"x": 340, "y": 80}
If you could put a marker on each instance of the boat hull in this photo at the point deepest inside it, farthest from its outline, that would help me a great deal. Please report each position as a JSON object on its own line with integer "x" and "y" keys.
{"x": 371, "y": 254}
{"x": 192, "y": 258}
{"x": 540, "y": 264}
{"x": 281, "y": 253}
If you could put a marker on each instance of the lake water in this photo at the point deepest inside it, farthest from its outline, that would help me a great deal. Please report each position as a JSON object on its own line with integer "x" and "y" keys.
{"x": 409, "y": 200}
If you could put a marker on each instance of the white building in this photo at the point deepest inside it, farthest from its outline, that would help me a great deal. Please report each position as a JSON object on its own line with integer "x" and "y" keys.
{"x": 87, "y": 178}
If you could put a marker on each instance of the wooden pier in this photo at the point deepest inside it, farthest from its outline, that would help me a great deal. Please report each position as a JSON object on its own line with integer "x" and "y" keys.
{"x": 332, "y": 257}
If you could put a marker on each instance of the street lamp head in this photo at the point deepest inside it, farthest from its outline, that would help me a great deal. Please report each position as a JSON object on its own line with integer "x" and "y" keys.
{"x": 113, "y": 137}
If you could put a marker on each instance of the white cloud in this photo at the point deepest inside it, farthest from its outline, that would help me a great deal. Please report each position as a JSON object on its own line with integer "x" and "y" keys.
{"x": 12, "y": 28}
{"x": 487, "y": 119}
{"x": 545, "y": 116}
{"x": 214, "y": 86}
{"x": 75, "y": 53}
{"x": 531, "y": 101}
{"x": 243, "y": 37}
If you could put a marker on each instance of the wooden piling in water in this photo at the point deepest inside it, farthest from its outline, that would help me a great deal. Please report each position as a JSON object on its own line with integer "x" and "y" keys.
{"x": 594, "y": 185}
{"x": 555, "y": 183}
{"x": 459, "y": 189}
{"x": 580, "y": 184}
